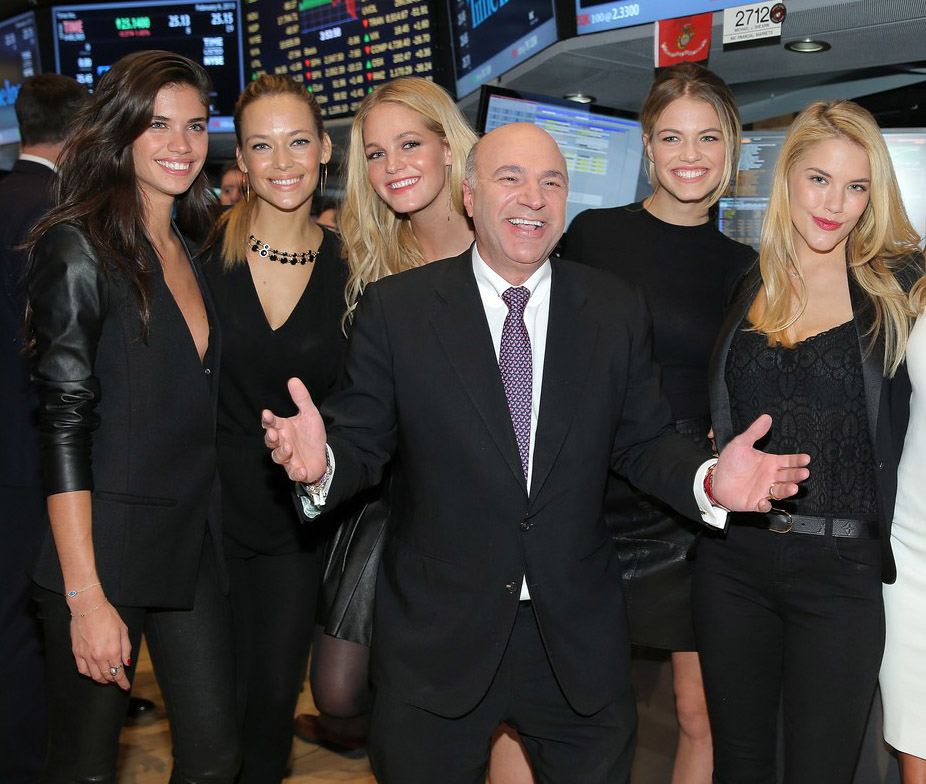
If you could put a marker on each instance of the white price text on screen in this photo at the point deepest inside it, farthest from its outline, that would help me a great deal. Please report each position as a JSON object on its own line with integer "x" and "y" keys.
{"x": 752, "y": 22}
{"x": 616, "y": 13}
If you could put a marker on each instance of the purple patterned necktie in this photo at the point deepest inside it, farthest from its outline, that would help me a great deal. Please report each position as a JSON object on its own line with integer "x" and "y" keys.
{"x": 514, "y": 362}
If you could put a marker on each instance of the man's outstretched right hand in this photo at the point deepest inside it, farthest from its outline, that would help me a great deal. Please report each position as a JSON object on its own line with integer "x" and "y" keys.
{"x": 297, "y": 442}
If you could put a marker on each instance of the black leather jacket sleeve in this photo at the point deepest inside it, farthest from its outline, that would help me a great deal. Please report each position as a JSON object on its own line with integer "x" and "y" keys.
{"x": 68, "y": 292}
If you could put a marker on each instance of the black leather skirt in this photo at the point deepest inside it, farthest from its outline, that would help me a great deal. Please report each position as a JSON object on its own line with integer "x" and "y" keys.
{"x": 655, "y": 547}
{"x": 351, "y": 563}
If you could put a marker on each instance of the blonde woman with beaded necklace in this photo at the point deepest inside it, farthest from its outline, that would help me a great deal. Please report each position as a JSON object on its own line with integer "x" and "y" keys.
{"x": 403, "y": 207}
{"x": 278, "y": 282}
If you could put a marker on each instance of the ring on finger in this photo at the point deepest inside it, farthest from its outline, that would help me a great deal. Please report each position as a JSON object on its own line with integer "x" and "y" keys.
{"x": 771, "y": 491}
{"x": 114, "y": 671}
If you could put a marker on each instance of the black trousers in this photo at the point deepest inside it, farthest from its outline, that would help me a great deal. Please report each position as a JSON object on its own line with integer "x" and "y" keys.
{"x": 409, "y": 745}
{"x": 788, "y": 618}
{"x": 193, "y": 658}
{"x": 274, "y": 599}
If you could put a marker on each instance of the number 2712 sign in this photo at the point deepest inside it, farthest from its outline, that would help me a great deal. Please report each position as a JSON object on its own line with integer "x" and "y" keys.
{"x": 753, "y": 22}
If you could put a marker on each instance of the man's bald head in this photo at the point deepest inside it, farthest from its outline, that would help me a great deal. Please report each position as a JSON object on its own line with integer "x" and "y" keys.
{"x": 515, "y": 191}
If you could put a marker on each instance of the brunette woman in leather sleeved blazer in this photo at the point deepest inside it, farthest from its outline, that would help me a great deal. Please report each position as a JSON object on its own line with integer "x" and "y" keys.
{"x": 126, "y": 366}
{"x": 787, "y": 604}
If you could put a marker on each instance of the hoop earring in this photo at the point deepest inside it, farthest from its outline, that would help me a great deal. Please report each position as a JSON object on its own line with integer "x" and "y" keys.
{"x": 247, "y": 188}
{"x": 324, "y": 178}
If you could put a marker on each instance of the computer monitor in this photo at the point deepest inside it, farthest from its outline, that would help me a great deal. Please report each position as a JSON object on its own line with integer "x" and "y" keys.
{"x": 490, "y": 37}
{"x": 593, "y": 16}
{"x": 88, "y": 39}
{"x": 19, "y": 59}
{"x": 603, "y": 147}
{"x": 742, "y": 212}
{"x": 340, "y": 49}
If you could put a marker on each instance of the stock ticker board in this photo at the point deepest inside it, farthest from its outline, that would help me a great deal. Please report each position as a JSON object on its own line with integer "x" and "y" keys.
{"x": 340, "y": 49}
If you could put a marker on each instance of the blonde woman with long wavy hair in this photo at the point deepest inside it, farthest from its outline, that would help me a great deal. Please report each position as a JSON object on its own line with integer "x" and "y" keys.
{"x": 403, "y": 208}
{"x": 403, "y": 205}
{"x": 787, "y": 604}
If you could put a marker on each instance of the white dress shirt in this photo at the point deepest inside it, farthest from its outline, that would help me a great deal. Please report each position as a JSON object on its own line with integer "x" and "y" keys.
{"x": 536, "y": 317}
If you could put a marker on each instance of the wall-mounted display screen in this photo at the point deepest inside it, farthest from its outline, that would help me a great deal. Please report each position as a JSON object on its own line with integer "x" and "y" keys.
{"x": 19, "y": 59}
{"x": 593, "y": 16}
{"x": 491, "y": 37}
{"x": 90, "y": 38}
{"x": 603, "y": 148}
{"x": 340, "y": 49}
{"x": 742, "y": 212}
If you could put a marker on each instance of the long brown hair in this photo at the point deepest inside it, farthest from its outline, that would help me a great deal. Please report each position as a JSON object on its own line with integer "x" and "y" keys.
{"x": 96, "y": 186}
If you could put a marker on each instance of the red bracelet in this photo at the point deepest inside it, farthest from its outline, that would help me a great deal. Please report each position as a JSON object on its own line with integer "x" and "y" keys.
{"x": 709, "y": 485}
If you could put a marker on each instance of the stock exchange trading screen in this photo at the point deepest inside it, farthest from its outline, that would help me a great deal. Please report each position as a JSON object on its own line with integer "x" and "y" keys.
{"x": 90, "y": 38}
{"x": 491, "y": 37}
{"x": 340, "y": 49}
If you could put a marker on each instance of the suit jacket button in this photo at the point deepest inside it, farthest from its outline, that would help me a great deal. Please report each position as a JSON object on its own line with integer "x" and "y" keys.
{"x": 526, "y": 525}
{"x": 512, "y": 587}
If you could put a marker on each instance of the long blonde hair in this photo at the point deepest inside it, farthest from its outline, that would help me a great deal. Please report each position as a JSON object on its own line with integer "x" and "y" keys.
{"x": 377, "y": 241}
{"x": 236, "y": 221}
{"x": 879, "y": 245}
{"x": 690, "y": 80}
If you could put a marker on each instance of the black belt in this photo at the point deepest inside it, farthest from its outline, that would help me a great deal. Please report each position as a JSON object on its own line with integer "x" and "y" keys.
{"x": 781, "y": 522}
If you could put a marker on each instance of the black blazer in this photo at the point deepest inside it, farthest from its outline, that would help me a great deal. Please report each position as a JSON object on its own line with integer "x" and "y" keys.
{"x": 26, "y": 196}
{"x": 131, "y": 419}
{"x": 423, "y": 384}
{"x": 887, "y": 399}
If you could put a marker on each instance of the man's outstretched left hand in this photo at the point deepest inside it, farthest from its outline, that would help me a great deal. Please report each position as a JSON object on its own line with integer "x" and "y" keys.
{"x": 749, "y": 480}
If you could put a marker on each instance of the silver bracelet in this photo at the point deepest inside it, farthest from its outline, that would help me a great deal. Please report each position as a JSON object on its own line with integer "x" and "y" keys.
{"x": 72, "y": 594}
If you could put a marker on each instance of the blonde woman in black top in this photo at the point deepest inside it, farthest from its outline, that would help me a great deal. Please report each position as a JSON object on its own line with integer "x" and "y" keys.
{"x": 788, "y": 603}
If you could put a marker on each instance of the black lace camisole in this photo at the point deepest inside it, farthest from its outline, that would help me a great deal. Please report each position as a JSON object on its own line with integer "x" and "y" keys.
{"x": 815, "y": 393}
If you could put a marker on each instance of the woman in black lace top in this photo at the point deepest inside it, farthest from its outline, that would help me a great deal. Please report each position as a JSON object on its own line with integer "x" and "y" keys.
{"x": 787, "y": 604}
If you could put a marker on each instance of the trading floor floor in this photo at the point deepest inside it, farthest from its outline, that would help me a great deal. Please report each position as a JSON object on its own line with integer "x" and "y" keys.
{"x": 145, "y": 757}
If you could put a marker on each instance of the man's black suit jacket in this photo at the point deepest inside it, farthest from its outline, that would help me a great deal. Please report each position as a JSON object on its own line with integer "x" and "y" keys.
{"x": 26, "y": 196}
{"x": 423, "y": 385}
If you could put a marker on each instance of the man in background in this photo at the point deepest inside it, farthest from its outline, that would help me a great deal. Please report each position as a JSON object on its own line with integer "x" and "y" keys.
{"x": 44, "y": 107}
{"x": 231, "y": 185}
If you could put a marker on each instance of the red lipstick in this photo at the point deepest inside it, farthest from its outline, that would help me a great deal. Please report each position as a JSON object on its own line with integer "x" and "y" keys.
{"x": 826, "y": 225}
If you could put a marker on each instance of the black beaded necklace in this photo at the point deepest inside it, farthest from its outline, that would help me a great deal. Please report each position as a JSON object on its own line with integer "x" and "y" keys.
{"x": 264, "y": 250}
